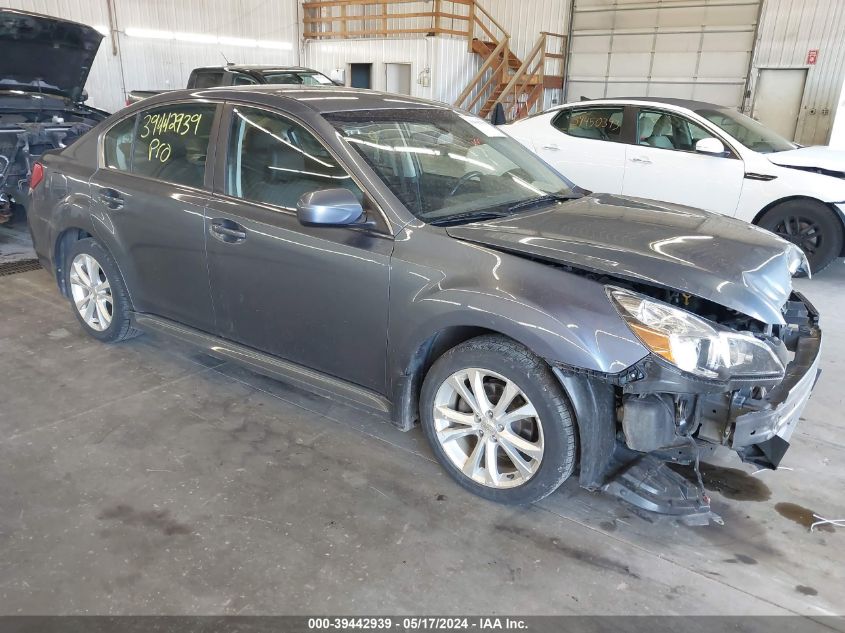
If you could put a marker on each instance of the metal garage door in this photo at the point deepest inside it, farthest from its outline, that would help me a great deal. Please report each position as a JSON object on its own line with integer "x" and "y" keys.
{"x": 693, "y": 49}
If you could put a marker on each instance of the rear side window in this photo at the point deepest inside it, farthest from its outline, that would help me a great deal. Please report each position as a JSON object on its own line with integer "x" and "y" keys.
{"x": 117, "y": 145}
{"x": 209, "y": 79}
{"x": 274, "y": 160}
{"x": 602, "y": 124}
{"x": 171, "y": 143}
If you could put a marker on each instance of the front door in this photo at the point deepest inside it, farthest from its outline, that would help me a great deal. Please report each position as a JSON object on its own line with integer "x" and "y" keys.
{"x": 663, "y": 165}
{"x": 149, "y": 197}
{"x": 311, "y": 295}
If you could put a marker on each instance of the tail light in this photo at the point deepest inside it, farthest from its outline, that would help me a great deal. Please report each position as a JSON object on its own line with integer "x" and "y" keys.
{"x": 37, "y": 175}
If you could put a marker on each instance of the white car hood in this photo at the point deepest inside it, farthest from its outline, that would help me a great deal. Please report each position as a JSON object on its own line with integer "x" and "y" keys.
{"x": 819, "y": 156}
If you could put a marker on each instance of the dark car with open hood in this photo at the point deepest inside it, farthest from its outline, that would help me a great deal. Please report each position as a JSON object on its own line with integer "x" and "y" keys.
{"x": 43, "y": 68}
{"x": 412, "y": 260}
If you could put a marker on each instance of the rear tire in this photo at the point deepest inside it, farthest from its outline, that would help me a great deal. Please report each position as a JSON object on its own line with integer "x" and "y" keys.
{"x": 98, "y": 295}
{"x": 516, "y": 453}
{"x": 811, "y": 226}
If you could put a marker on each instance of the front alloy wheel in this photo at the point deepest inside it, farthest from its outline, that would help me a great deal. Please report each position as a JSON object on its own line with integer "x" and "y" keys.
{"x": 91, "y": 292}
{"x": 488, "y": 428}
{"x": 498, "y": 421}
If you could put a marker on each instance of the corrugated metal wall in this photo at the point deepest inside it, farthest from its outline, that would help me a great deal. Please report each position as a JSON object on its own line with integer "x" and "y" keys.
{"x": 789, "y": 29}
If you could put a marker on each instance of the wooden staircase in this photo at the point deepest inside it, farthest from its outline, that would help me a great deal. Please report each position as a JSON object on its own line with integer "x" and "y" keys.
{"x": 503, "y": 77}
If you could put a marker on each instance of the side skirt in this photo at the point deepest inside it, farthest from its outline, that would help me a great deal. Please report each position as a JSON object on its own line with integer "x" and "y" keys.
{"x": 285, "y": 371}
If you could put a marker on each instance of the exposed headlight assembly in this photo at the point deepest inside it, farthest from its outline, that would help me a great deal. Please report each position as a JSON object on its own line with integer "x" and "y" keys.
{"x": 693, "y": 344}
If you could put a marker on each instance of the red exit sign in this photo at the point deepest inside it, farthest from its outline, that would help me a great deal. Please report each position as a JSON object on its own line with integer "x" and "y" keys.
{"x": 812, "y": 56}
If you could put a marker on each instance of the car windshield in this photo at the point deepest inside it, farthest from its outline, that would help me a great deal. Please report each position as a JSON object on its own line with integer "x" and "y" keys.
{"x": 450, "y": 167}
{"x": 298, "y": 78}
{"x": 751, "y": 133}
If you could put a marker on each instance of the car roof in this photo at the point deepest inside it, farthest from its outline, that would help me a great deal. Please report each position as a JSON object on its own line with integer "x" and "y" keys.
{"x": 689, "y": 104}
{"x": 322, "y": 99}
{"x": 258, "y": 68}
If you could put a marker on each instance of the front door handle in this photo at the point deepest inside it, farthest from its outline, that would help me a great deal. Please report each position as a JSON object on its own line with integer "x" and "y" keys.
{"x": 552, "y": 148}
{"x": 641, "y": 160}
{"x": 111, "y": 198}
{"x": 227, "y": 231}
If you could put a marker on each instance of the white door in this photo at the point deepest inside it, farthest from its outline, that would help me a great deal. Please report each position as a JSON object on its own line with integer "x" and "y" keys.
{"x": 664, "y": 165}
{"x": 777, "y": 98}
{"x": 398, "y": 78}
{"x": 585, "y": 145}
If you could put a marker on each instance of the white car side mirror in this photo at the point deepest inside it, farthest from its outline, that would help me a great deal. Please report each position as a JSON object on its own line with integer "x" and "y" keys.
{"x": 710, "y": 146}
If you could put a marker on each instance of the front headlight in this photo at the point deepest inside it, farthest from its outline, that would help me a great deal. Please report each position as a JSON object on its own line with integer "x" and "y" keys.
{"x": 694, "y": 344}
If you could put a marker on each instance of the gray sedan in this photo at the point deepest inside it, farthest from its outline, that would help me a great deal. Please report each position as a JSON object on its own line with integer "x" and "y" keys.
{"x": 410, "y": 259}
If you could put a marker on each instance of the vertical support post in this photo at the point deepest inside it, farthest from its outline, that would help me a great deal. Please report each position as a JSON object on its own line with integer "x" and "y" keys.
{"x": 470, "y": 25}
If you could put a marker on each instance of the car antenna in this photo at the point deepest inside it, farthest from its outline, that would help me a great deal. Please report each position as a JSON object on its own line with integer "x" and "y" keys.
{"x": 223, "y": 55}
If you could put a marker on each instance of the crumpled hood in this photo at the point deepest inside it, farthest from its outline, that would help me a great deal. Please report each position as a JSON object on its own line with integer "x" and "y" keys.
{"x": 44, "y": 52}
{"x": 726, "y": 261}
{"x": 819, "y": 156}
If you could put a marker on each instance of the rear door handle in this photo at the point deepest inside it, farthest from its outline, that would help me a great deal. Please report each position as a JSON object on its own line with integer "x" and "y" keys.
{"x": 227, "y": 231}
{"x": 111, "y": 198}
{"x": 552, "y": 148}
{"x": 641, "y": 160}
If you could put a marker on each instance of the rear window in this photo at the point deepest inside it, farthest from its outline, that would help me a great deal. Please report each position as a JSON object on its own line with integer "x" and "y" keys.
{"x": 208, "y": 79}
{"x": 601, "y": 124}
{"x": 171, "y": 143}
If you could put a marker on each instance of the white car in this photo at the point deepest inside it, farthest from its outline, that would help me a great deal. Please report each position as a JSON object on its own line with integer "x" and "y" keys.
{"x": 701, "y": 155}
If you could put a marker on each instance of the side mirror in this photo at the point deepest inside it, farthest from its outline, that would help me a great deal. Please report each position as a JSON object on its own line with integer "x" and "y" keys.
{"x": 710, "y": 146}
{"x": 329, "y": 207}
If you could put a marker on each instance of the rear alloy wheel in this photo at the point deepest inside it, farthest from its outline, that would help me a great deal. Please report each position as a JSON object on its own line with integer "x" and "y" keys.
{"x": 498, "y": 421}
{"x": 91, "y": 292}
{"x": 811, "y": 226}
{"x": 96, "y": 291}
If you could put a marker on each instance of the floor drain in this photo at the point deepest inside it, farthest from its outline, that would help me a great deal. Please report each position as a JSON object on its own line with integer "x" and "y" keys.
{"x": 20, "y": 266}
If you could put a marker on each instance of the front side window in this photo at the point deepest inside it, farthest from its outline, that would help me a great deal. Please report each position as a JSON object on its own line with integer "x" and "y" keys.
{"x": 656, "y": 128}
{"x": 604, "y": 124}
{"x": 755, "y": 136}
{"x": 171, "y": 143}
{"x": 240, "y": 79}
{"x": 117, "y": 145}
{"x": 276, "y": 161}
{"x": 297, "y": 78}
{"x": 445, "y": 166}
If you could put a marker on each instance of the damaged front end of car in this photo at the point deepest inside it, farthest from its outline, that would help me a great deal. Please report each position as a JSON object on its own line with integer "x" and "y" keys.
{"x": 730, "y": 381}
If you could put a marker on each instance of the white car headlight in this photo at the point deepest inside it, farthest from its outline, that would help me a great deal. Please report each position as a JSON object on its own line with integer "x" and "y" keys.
{"x": 693, "y": 344}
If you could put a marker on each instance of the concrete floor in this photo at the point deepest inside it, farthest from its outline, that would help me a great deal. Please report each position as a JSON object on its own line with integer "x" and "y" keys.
{"x": 146, "y": 479}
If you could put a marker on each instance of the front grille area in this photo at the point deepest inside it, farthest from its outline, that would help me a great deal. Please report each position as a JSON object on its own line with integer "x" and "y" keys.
{"x": 20, "y": 266}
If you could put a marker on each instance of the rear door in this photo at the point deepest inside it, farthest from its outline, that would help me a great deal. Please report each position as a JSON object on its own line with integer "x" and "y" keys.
{"x": 587, "y": 146}
{"x": 315, "y": 296}
{"x": 149, "y": 195}
{"x": 663, "y": 165}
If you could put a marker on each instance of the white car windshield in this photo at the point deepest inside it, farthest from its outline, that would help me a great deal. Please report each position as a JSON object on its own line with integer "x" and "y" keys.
{"x": 754, "y": 135}
{"x": 448, "y": 167}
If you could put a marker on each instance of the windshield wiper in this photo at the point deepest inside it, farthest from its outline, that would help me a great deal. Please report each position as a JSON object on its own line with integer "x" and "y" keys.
{"x": 469, "y": 216}
{"x": 544, "y": 199}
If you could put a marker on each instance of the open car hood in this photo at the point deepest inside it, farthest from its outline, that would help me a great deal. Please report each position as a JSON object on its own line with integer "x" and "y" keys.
{"x": 46, "y": 53}
{"x": 820, "y": 156}
{"x": 726, "y": 261}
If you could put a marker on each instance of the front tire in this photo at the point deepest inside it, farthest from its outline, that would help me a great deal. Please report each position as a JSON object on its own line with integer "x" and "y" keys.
{"x": 514, "y": 444}
{"x": 98, "y": 296}
{"x": 811, "y": 226}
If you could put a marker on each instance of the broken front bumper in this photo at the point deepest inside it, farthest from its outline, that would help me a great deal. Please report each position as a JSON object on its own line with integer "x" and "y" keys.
{"x": 762, "y": 427}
